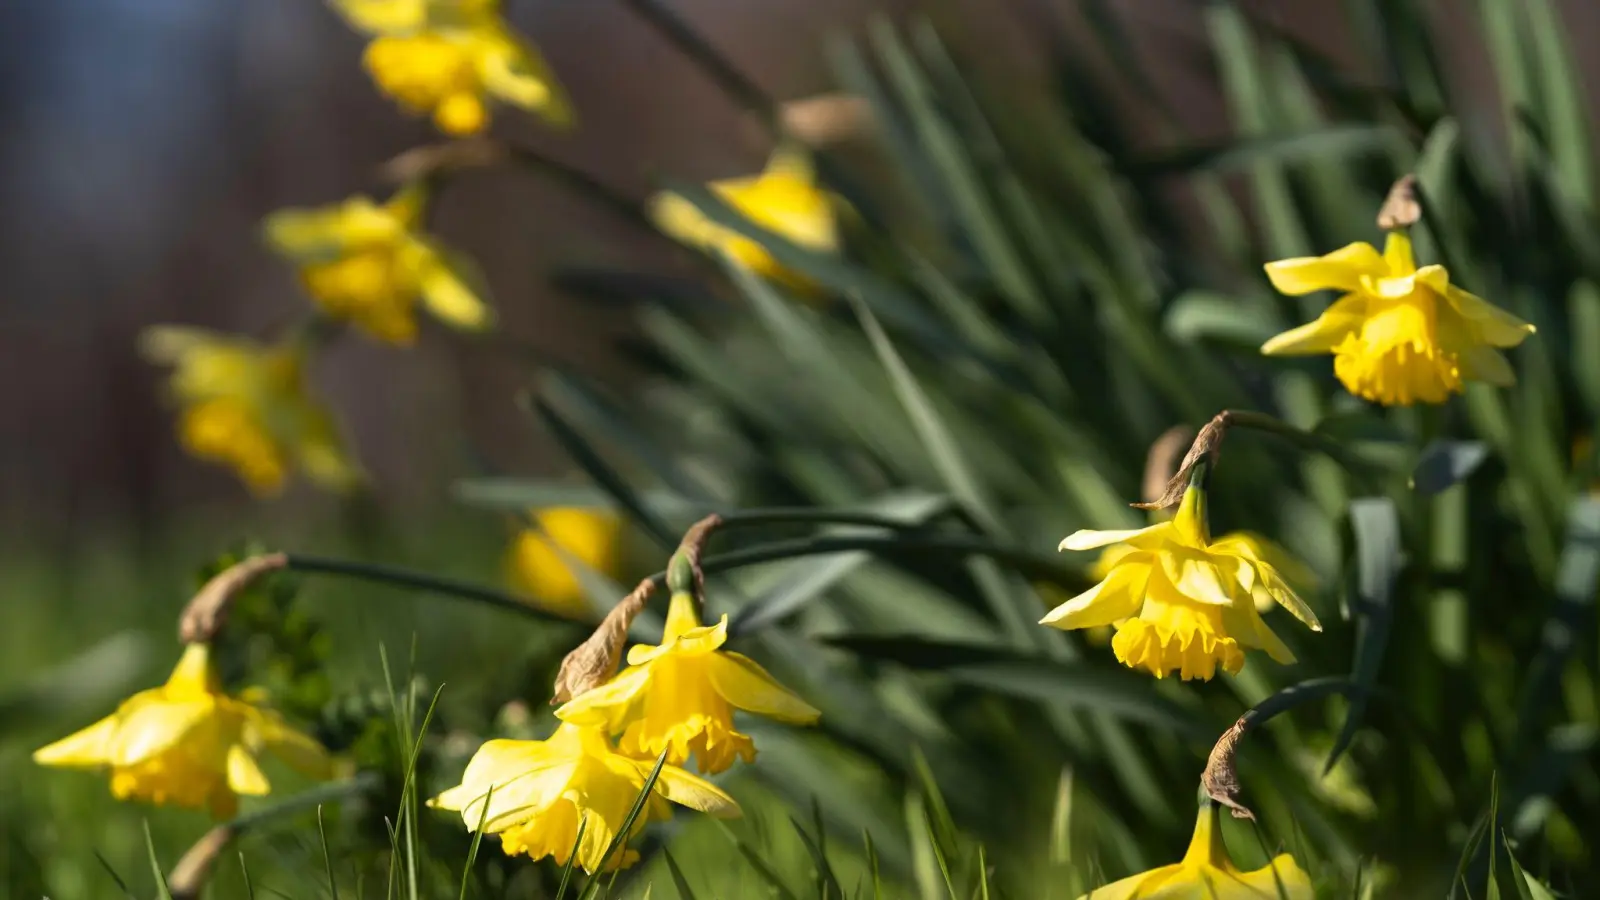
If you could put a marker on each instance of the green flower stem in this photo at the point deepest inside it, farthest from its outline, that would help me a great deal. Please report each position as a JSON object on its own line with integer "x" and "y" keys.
{"x": 734, "y": 83}
{"x": 188, "y": 878}
{"x": 1308, "y": 440}
{"x": 1027, "y": 564}
{"x": 801, "y": 514}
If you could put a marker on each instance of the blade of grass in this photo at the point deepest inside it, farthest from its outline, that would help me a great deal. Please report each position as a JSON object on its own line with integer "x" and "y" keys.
{"x": 679, "y": 882}
{"x": 327, "y": 856}
{"x": 477, "y": 841}
{"x": 572, "y": 858}
{"x": 155, "y": 865}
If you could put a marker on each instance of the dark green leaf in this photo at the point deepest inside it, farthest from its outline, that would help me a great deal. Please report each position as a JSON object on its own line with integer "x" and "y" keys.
{"x": 1376, "y": 525}
{"x": 1350, "y": 140}
{"x": 1444, "y": 463}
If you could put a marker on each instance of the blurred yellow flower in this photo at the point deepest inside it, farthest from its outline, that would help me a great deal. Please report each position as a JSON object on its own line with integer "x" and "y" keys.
{"x": 246, "y": 405}
{"x": 784, "y": 199}
{"x": 539, "y": 791}
{"x": 682, "y": 694}
{"x": 187, "y": 744}
{"x": 449, "y": 59}
{"x": 370, "y": 264}
{"x": 1206, "y": 872}
{"x": 591, "y": 536}
{"x": 1399, "y": 334}
{"x": 1180, "y": 601}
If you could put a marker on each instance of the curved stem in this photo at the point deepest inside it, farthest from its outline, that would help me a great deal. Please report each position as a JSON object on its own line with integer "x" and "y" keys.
{"x": 805, "y": 514}
{"x": 733, "y": 82}
{"x": 1025, "y": 563}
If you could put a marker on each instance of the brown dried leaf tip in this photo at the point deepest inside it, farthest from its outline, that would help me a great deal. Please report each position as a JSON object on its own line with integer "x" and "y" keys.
{"x": 1205, "y": 446}
{"x": 1220, "y": 780}
{"x": 593, "y": 662}
{"x": 1400, "y": 208}
{"x": 206, "y": 613}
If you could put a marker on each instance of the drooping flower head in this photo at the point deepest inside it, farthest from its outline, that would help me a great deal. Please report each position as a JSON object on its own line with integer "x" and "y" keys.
{"x": 590, "y": 536}
{"x": 1180, "y": 601}
{"x": 680, "y": 696}
{"x": 1207, "y": 872}
{"x": 247, "y": 406}
{"x": 450, "y": 58}
{"x": 784, "y": 199}
{"x": 1398, "y": 334}
{"x": 186, "y": 743}
{"x": 370, "y": 264}
{"x": 537, "y": 793}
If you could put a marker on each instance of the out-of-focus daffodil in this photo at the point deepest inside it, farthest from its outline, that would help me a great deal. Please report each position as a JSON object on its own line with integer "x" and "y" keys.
{"x": 590, "y": 536}
{"x": 1398, "y": 334}
{"x": 187, "y": 744}
{"x": 1180, "y": 601}
{"x": 538, "y": 792}
{"x": 450, "y": 59}
{"x": 370, "y": 264}
{"x": 680, "y": 696}
{"x": 784, "y": 199}
{"x": 246, "y": 405}
{"x": 1206, "y": 872}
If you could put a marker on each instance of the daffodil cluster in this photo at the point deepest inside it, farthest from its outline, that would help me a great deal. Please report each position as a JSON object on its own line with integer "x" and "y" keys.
{"x": 676, "y": 699}
{"x": 187, "y": 743}
{"x": 451, "y": 59}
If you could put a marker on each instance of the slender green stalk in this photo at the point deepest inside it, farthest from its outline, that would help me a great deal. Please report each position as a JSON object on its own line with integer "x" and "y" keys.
{"x": 734, "y": 83}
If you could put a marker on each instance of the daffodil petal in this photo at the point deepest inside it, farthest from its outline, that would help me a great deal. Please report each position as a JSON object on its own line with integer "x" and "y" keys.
{"x": 296, "y": 748}
{"x": 1492, "y": 324}
{"x": 1340, "y": 270}
{"x": 383, "y": 16}
{"x": 1116, "y": 597}
{"x": 244, "y": 773}
{"x": 1286, "y": 596}
{"x": 696, "y": 793}
{"x": 86, "y": 748}
{"x": 611, "y": 705}
{"x": 155, "y": 727}
{"x": 1086, "y": 539}
{"x": 449, "y": 298}
{"x": 1196, "y": 577}
{"x": 1486, "y": 364}
{"x": 1263, "y": 883}
{"x": 1342, "y": 318}
{"x": 1134, "y": 887}
{"x": 747, "y": 686}
{"x": 516, "y": 73}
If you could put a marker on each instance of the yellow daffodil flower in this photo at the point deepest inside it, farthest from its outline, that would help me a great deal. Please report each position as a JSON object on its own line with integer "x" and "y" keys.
{"x": 450, "y": 59}
{"x": 681, "y": 695}
{"x": 784, "y": 199}
{"x": 370, "y": 264}
{"x": 187, "y": 744}
{"x": 538, "y": 792}
{"x": 1180, "y": 601}
{"x": 246, "y": 405}
{"x": 591, "y": 536}
{"x": 1206, "y": 872}
{"x": 1399, "y": 334}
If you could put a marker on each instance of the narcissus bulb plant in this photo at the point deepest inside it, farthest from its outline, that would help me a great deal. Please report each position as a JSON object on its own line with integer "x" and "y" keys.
{"x": 186, "y": 743}
{"x": 452, "y": 60}
{"x": 1398, "y": 334}
{"x": 1207, "y": 872}
{"x": 784, "y": 199}
{"x": 247, "y": 406}
{"x": 680, "y": 696}
{"x": 1181, "y": 602}
{"x": 534, "y": 795}
{"x": 545, "y": 574}
{"x": 371, "y": 264}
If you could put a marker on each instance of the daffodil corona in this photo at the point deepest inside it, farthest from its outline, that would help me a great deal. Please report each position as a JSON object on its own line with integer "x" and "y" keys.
{"x": 1180, "y": 601}
{"x": 187, "y": 744}
{"x": 1206, "y": 872}
{"x": 1398, "y": 334}
{"x": 246, "y": 405}
{"x": 450, "y": 59}
{"x": 784, "y": 199}
{"x": 680, "y": 696}
{"x": 538, "y": 792}
{"x": 589, "y": 536}
{"x": 370, "y": 264}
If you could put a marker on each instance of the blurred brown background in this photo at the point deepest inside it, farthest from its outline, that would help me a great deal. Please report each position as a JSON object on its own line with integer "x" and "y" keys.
{"x": 142, "y": 140}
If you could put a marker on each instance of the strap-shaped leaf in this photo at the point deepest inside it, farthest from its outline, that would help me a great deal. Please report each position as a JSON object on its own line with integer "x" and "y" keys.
{"x": 1379, "y": 558}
